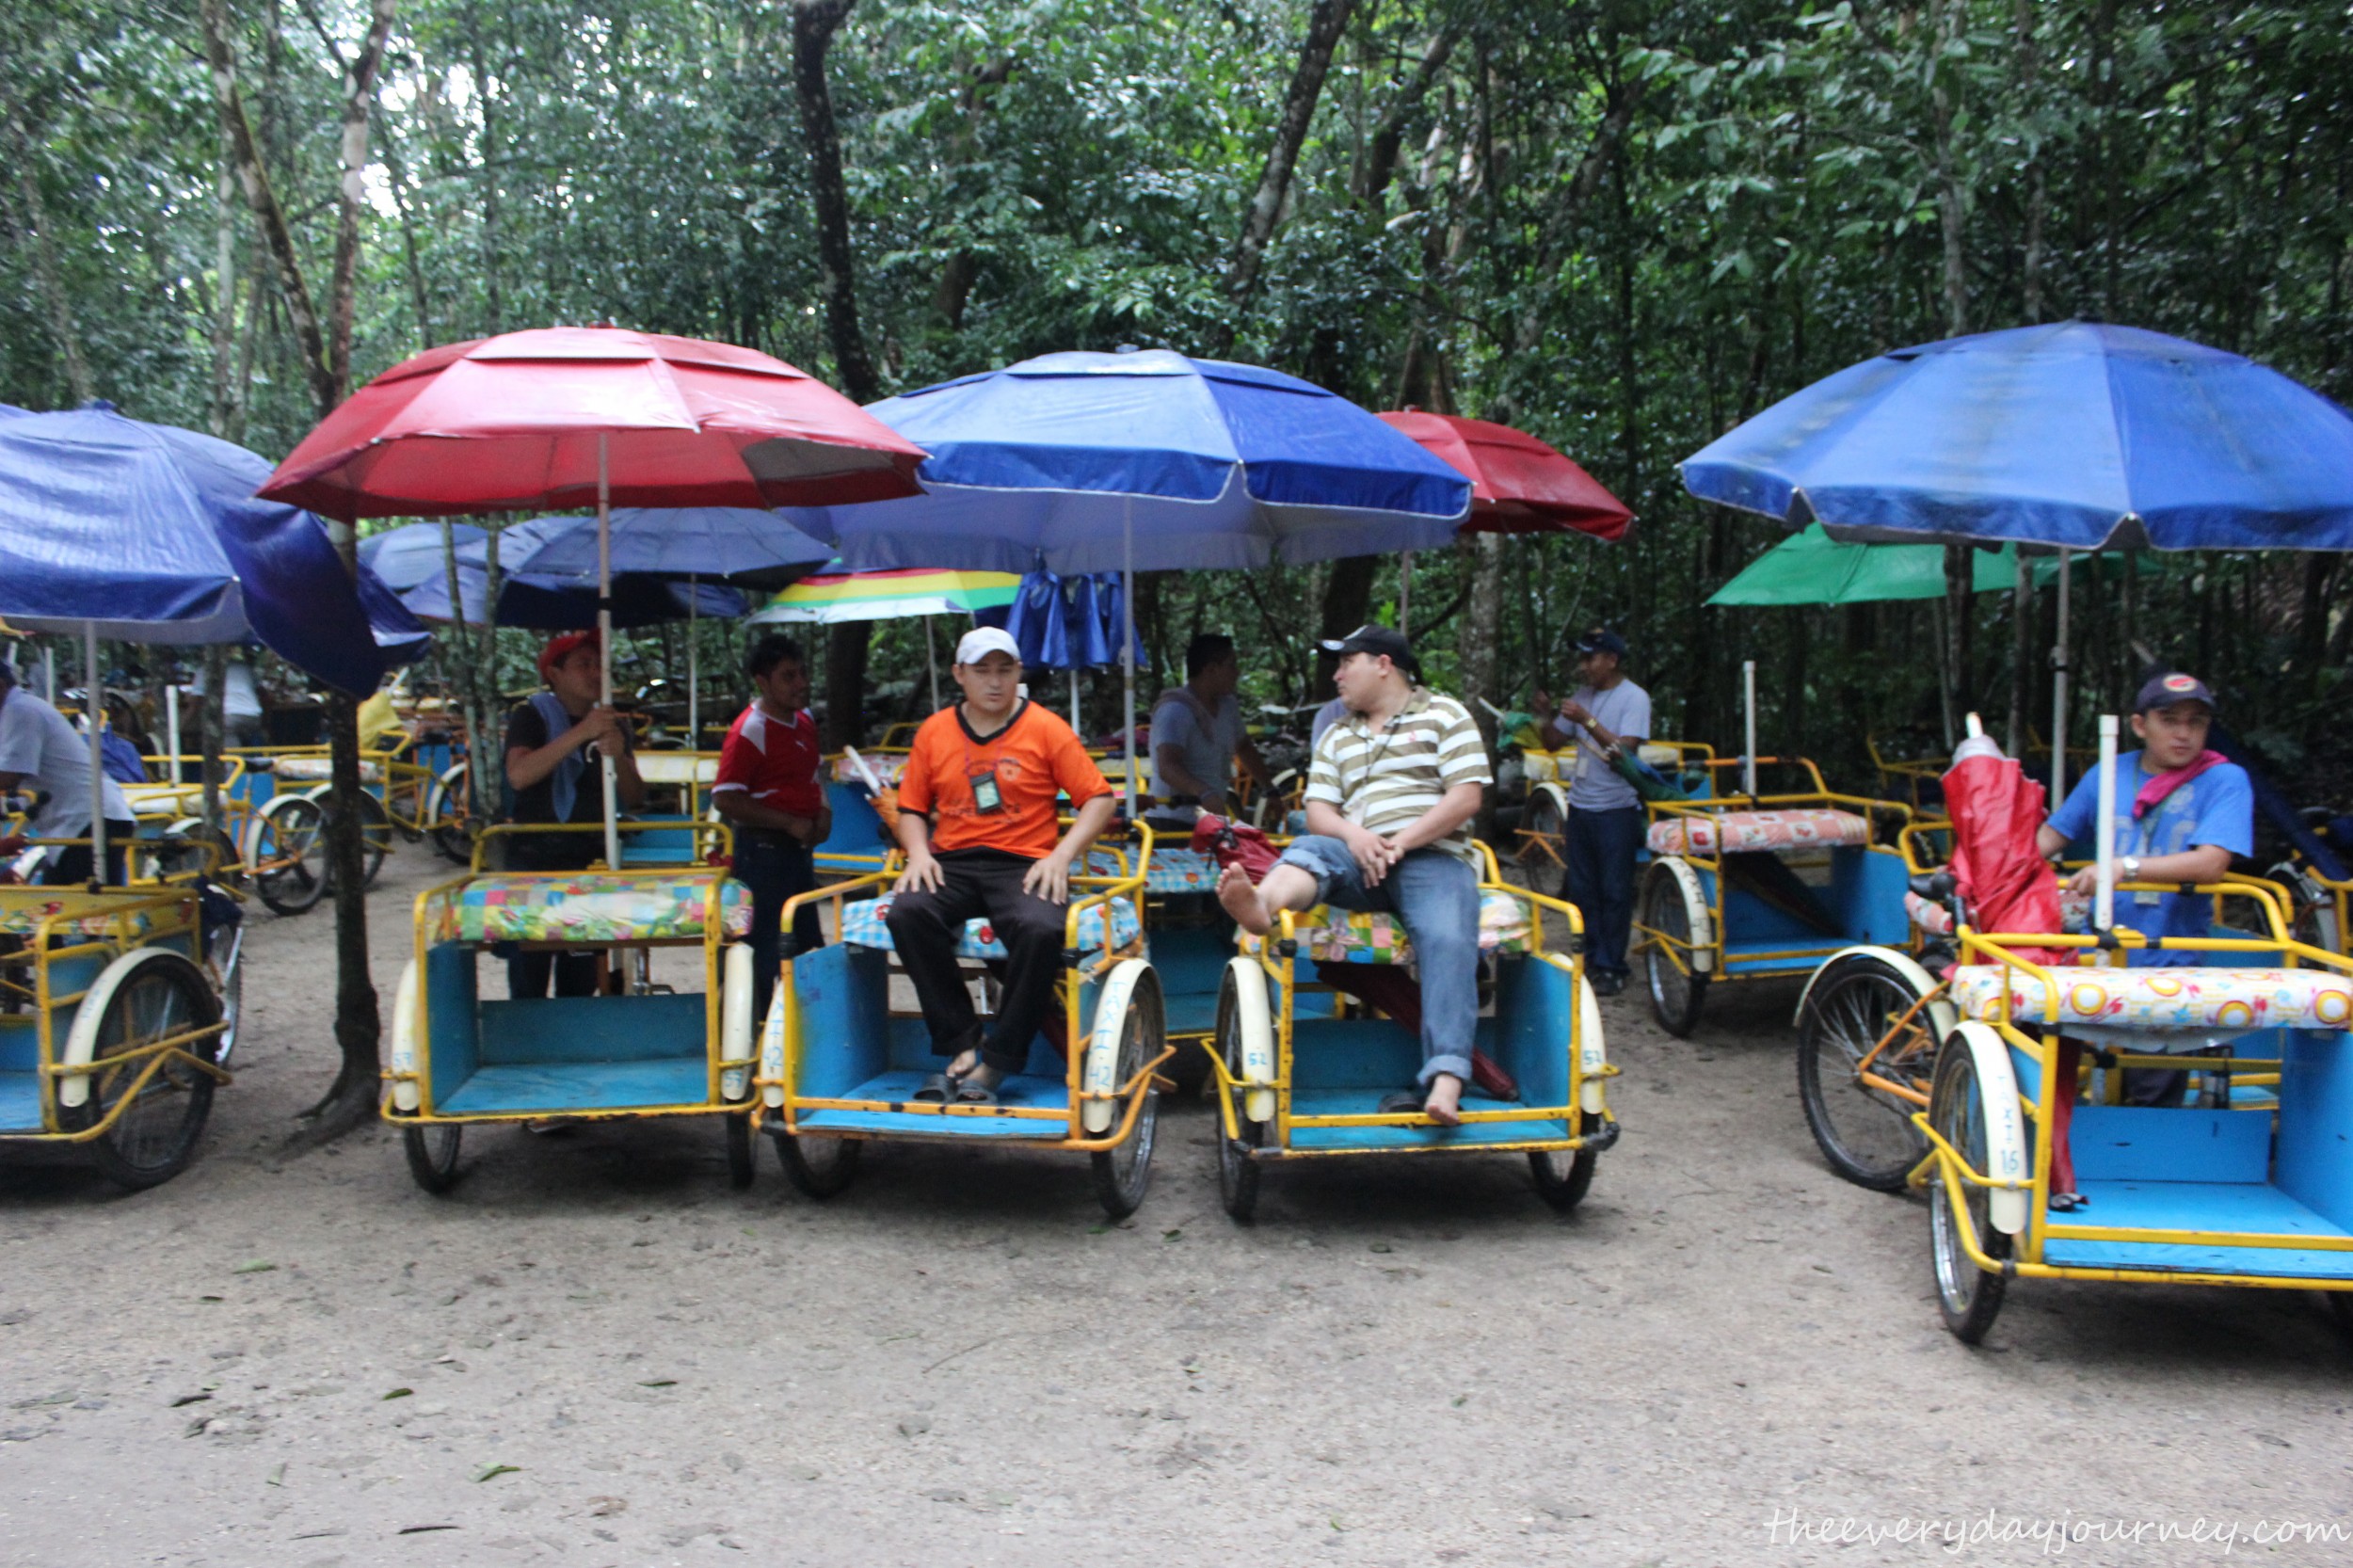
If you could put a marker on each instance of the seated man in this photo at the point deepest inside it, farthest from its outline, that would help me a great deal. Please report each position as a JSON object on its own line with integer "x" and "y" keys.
{"x": 768, "y": 790}
{"x": 2181, "y": 814}
{"x": 554, "y": 744}
{"x": 977, "y": 819}
{"x": 1197, "y": 735}
{"x": 1390, "y": 799}
{"x": 45, "y": 774}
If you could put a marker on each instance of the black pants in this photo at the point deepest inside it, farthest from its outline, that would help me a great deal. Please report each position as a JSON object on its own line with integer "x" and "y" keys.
{"x": 1602, "y": 850}
{"x": 527, "y": 974}
{"x": 68, "y": 867}
{"x": 924, "y": 927}
{"x": 774, "y": 868}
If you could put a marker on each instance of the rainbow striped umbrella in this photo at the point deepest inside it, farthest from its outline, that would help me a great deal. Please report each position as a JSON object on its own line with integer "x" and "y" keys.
{"x": 838, "y": 596}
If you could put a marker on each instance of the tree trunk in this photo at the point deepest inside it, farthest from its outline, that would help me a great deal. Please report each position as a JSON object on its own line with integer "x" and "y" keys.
{"x": 325, "y": 345}
{"x": 1325, "y": 26}
{"x": 1478, "y": 641}
{"x": 846, "y": 646}
{"x": 1380, "y": 165}
{"x": 1347, "y": 605}
{"x": 813, "y": 26}
{"x": 33, "y": 225}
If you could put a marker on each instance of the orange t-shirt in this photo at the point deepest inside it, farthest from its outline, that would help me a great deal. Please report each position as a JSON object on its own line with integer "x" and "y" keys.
{"x": 1037, "y": 758}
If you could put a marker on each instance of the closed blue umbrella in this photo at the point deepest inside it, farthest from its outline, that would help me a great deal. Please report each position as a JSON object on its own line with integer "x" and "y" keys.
{"x": 1039, "y": 621}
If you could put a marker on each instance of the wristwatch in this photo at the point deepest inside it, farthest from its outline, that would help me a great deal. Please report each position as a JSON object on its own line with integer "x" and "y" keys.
{"x": 2130, "y": 866}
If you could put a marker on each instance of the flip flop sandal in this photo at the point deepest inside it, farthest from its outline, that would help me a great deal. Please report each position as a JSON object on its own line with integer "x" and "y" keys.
{"x": 970, "y": 1093}
{"x": 1405, "y": 1102}
{"x": 938, "y": 1089}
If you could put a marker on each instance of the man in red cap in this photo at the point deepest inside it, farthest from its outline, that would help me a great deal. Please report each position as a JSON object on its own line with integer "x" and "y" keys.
{"x": 552, "y": 745}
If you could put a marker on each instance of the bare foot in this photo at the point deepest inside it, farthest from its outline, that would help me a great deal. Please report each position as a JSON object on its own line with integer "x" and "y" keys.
{"x": 1240, "y": 899}
{"x": 966, "y": 1065}
{"x": 1445, "y": 1104}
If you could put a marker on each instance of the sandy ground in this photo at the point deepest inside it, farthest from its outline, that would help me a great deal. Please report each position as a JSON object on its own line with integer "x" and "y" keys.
{"x": 595, "y": 1352}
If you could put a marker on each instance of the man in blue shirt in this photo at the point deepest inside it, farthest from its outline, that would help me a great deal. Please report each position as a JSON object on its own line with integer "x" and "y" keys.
{"x": 2181, "y": 814}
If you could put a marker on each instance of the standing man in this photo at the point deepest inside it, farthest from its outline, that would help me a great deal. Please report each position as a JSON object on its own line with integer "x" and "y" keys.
{"x": 553, "y": 744}
{"x": 767, "y": 787}
{"x": 44, "y": 765}
{"x": 1605, "y": 717}
{"x": 1197, "y": 734}
{"x": 978, "y": 822}
{"x": 1390, "y": 799}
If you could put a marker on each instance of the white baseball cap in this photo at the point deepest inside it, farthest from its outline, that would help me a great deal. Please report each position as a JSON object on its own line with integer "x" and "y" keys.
{"x": 982, "y": 641}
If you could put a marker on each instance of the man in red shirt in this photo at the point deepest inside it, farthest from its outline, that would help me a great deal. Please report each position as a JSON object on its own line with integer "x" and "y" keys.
{"x": 978, "y": 820}
{"x": 768, "y": 789}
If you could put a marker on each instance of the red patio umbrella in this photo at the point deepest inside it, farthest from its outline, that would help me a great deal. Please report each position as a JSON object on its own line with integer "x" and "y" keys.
{"x": 1519, "y": 485}
{"x": 563, "y": 417}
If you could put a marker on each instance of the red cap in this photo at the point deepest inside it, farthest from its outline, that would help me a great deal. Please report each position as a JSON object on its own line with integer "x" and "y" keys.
{"x": 560, "y": 649}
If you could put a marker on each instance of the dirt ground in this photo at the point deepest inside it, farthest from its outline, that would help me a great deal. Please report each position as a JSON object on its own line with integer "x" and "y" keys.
{"x": 594, "y": 1353}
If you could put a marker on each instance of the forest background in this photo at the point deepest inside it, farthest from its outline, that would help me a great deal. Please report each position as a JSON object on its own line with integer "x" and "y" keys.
{"x": 1623, "y": 226}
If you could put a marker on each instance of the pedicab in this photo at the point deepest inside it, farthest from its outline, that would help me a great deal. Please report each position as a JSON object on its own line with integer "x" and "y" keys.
{"x": 1293, "y": 1086}
{"x": 459, "y": 1058}
{"x": 1541, "y": 838}
{"x": 1754, "y": 885}
{"x": 840, "y": 1066}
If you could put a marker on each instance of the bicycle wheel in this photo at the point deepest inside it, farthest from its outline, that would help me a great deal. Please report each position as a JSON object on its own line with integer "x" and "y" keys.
{"x": 155, "y": 1133}
{"x": 376, "y": 841}
{"x": 1122, "y": 1173}
{"x": 1851, "y": 1015}
{"x": 1563, "y": 1176}
{"x": 449, "y": 811}
{"x": 1968, "y": 1296}
{"x": 1237, "y": 1168}
{"x": 289, "y": 855}
{"x": 432, "y": 1152}
{"x": 817, "y": 1167}
{"x": 1544, "y": 852}
{"x": 1678, "y": 991}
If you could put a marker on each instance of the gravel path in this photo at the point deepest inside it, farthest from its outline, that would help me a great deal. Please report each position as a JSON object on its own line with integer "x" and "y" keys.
{"x": 594, "y": 1353}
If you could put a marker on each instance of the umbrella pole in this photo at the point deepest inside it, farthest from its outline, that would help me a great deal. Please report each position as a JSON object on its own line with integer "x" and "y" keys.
{"x": 2104, "y": 906}
{"x": 2059, "y": 694}
{"x": 604, "y": 647}
{"x": 1074, "y": 700}
{"x": 171, "y": 723}
{"x": 694, "y": 685}
{"x": 1748, "y": 705}
{"x": 94, "y": 717}
{"x": 1127, "y": 644}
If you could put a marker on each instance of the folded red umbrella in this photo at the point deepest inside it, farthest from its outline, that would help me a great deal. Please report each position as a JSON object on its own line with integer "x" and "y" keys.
{"x": 1997, "y": 810}
{"x": 518, "y": 421}
{"x": 1519, "y": 485}
{"x": 1234, "y": 843}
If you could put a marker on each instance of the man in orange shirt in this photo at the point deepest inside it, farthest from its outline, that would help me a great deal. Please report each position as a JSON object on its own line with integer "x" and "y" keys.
{"x": 978, "y": 822}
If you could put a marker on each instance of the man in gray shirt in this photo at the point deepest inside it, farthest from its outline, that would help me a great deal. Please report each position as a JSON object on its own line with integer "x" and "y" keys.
{"x": 1607, "y": 716}
{"x": 1197, "y": 734}
{"x": 45, "y": 773}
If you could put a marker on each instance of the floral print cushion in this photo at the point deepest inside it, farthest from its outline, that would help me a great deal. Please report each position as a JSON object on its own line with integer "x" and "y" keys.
{"x": 592, "y": 906}
{"x": 1928, "y": 916}
{"x": 21, "y": 917}
{"x": 887, "y": 766}
{"x": 1333, "y": 935}
{"x": 864, "y": 925}
{"x": 319, "y": 770}
{"x": 1747, "y": 832}
{"x": 2198, "y": 999}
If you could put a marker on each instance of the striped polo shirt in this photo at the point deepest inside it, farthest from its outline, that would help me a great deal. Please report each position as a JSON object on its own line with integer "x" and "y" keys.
{"x": 1383, "y": 781}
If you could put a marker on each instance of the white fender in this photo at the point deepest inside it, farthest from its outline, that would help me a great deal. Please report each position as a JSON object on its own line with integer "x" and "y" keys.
{"x": 81, "y": 1041}
{"x": 1559, "y": 798}
{"x": 1101, "y": 1074}
{"x": 1694, "y": 910}
{"x": 1591, "y": 1057}
{"x": 260, "y": 818}
{"x": 405, "y": 996}
{"x": 450, "y": 783}
{"x": 735, "y": 1018}
{"x": 1254, "y": 1018}
{"x": 2004, "y": 1124}
{"x": 772, "y": 1046}
{"x": 1941, "y": 1014}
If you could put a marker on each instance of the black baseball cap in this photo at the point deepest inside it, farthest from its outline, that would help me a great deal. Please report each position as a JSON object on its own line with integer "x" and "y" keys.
{"x": 2163, "y": 691}
{"x": 1380, "y": 640}
{"x": 1601, "y": 640}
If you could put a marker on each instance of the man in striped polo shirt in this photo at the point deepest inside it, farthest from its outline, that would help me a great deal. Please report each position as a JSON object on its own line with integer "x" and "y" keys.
{"x": 1390, "y": 799}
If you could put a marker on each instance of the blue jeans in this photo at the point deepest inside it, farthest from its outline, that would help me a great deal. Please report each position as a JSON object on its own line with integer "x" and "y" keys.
{"x": 1602, "y": 847}
{"x": 1436, "y": 896}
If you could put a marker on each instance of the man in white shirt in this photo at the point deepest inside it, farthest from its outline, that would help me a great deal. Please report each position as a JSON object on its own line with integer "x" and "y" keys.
{"x": 1607, "y": 716}
{"x": 45, "y": 773}
{"x": 1198, "y": 735}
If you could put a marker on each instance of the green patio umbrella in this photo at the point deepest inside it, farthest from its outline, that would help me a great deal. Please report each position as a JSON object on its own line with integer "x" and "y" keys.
{"x": 1811, "y": 567}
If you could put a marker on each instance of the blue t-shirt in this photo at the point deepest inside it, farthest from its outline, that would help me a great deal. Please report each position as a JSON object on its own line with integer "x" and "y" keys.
{"x": 2215, "y": 807}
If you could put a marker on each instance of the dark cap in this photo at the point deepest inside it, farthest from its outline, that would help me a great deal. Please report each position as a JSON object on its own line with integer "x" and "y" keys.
{"x": 1601, "y": 640}
{"x": 2163, "y": 691}
{"x": 1384, "y": 640}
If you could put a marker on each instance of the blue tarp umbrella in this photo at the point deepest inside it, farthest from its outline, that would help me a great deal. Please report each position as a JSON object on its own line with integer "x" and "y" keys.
{"x": 1086, "y": 462}
{"x": 149, "y": 534}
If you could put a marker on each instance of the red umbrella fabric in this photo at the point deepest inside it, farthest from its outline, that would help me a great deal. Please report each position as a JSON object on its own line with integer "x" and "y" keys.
{"x": 1519, "y": 485}
{"x": 2003, "y": 877}
{"x": 513, "y": 422}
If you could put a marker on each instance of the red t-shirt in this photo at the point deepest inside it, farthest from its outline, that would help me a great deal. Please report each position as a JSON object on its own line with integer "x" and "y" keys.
{"x": 1035, "y": 758}
{"x": 773, "y": 760}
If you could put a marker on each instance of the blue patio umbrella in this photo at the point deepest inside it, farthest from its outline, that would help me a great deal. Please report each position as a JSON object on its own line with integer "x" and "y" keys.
{"x": 413, "y": 552}
{"x": 144, "y": 533}
{"x": 541, "y": 605}
{"x": 1039, "y": 621}
{"x": 1086, "y": 462}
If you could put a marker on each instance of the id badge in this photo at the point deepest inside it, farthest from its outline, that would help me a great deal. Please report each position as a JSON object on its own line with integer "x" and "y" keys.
{"x": 986, "y": 797}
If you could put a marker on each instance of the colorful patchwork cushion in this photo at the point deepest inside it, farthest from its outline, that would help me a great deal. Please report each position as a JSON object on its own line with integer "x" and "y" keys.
{"x": 1347, "y": 936}
{"x": 1929, "y": 915}
{"x": 592, "y": 907}
{"x": 1746, "y": 832}
{"x": 864, "y": 925}
{"x": 887, "y": 766}
{"x": 319, "y": 770}
{"x": 22, "y": 918}
{"x": 2200, "y": 998}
